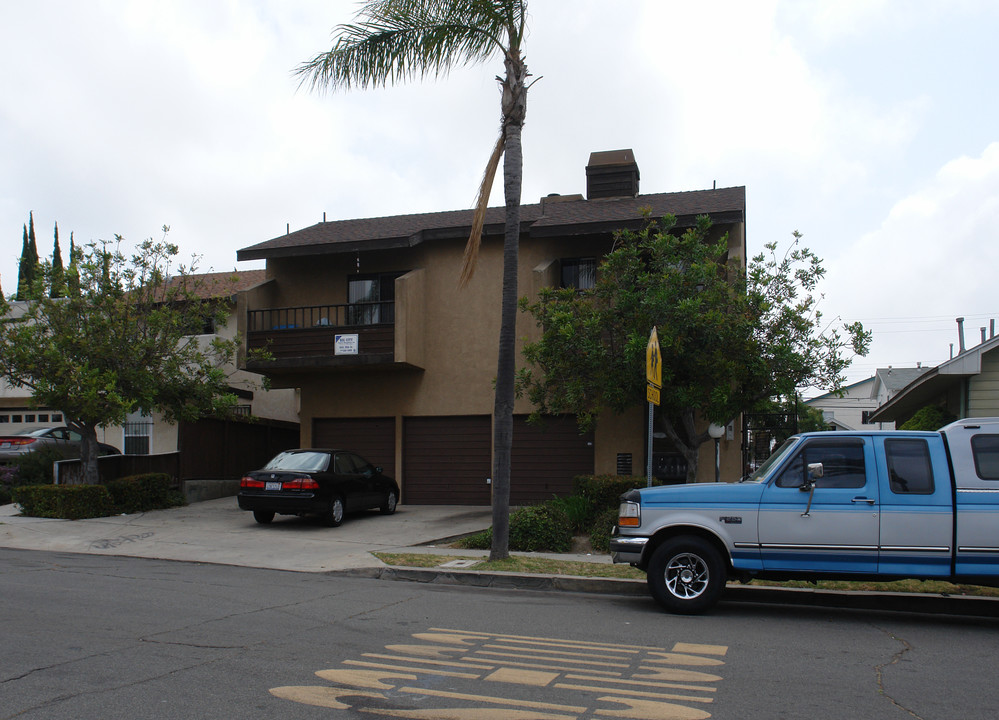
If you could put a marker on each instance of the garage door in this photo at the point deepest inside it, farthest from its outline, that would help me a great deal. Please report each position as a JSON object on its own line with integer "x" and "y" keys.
{"x": 371, "y": 438}
{"x": 546, "y": 458}
{"x": 446, "y": 460}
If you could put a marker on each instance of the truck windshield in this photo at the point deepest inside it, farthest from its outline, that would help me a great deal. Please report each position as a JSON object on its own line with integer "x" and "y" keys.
{"x": 775, "y": 457}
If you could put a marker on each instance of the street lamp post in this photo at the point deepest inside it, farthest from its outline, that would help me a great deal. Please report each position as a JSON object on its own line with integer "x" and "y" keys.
{"x": 716, "y": 431}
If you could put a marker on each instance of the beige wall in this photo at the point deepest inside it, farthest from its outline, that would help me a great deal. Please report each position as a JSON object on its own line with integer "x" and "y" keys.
{"x": 446, "y": 338}
{"x": 983, "y": 389}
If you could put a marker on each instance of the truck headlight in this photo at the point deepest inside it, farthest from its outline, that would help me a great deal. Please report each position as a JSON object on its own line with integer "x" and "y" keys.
{"x": 629, "y": 514}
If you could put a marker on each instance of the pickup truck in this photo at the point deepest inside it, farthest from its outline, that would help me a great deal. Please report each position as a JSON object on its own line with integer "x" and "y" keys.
{"x": 880, "y": 505}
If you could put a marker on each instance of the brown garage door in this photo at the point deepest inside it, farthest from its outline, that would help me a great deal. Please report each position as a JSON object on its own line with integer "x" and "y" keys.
{"x": 371, "y": 438}
{"x": 446, "y": 460}
{"x": 546, "y": 458}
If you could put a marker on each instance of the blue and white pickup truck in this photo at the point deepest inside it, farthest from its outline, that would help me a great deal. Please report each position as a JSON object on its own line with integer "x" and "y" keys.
{"x": 829, "y": 505}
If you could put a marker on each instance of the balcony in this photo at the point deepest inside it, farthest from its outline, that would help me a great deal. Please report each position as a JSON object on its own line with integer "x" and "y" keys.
{"x": 305, "y": 338}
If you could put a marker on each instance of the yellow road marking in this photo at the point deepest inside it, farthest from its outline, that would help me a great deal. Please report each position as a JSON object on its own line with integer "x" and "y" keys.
{"x": 424, "y": 650}
{"x": 466, "y": 713}
{"x": 471, "y": 662}
{"x": 453, "y": 637}
{"x": 432, "y": 671}
{"x": 670, "y": 675}
{"x": 493, "y": 700}
{"x": 635, "y": 693}
{"x": 562, "y": 653}
{"x": 700, "y": 649}
{"x": 639, "y": 683}
{"x": 522, "y": 677}
{"x": 587, "y": 643}
{"x": 550, "y": 666}
{"x": 572, "y": 645}
{"x": 536, "y": 657}
{"x": 682, "y": 659}
{"x": 363, "y": 678}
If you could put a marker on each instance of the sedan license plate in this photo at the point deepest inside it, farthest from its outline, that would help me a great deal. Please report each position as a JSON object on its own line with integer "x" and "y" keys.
{"x": 272, "y": 486}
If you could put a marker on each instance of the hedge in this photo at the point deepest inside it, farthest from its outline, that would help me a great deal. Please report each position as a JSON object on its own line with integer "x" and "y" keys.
{"x": 135, "y": 493}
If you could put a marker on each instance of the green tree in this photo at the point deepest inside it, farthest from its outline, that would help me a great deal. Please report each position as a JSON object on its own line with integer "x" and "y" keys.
{"x": 930, "y": 417}
{"x": 72, "y": 273}
{"x": 120, "y": 345}
{"x": 728, "y": 340}
{"x": 57, "y": 274}
{"x": 397, "y": 40}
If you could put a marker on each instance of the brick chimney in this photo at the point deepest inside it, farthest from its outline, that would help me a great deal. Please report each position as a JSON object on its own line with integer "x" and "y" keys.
{"x": 611, "y": 174}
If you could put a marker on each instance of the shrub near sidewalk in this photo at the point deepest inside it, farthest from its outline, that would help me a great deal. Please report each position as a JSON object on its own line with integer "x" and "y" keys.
{"x": 136, "y": 493}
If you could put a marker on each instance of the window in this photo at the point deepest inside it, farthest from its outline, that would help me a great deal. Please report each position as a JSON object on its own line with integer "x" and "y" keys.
{"x": 372, "y": 299}
{"x": 985, "y": 450}
{"x": 842, "y": 463}
{"x": 29, "y": 418}
{"x": 865, "y": 417}
{"x": 909, "y": 468}
{"x": 579, "y": 273}
{"x": 138, "y": 434}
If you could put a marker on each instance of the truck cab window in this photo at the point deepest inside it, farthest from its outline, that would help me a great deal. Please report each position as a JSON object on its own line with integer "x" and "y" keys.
{"x": 909, "y": 468}
{"x": 842, "y": 463}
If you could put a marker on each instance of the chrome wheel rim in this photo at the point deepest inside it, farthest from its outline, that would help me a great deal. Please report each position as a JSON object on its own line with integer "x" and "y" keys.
{"x": 687, "y": 576}
{"x": 337, "y": 510}
{"x": 390, "y": 504}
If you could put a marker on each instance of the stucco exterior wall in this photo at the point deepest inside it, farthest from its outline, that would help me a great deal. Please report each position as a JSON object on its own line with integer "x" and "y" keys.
{"x": 983, "y": 389}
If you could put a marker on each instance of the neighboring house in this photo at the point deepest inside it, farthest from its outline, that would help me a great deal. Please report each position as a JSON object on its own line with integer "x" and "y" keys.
{"x": 144, "y": 434}
{"x": 966, "y": 386}
{"x": 397, "y": 362}
{"x": 852, "y": 407}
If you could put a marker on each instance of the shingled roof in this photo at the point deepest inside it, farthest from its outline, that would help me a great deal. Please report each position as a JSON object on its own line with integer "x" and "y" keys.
{"x": 571, "y": 215}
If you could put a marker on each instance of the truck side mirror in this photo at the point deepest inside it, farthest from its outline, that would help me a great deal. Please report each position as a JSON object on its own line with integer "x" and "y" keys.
{"x": 815, "y": 471}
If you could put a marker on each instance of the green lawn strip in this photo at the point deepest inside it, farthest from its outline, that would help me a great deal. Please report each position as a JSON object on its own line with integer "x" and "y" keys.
{"x": 548, "y": 566}
{"x": 517, "y": 564}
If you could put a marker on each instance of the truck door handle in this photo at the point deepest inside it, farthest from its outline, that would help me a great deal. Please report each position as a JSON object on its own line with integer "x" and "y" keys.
{"x": 869, "y": 501}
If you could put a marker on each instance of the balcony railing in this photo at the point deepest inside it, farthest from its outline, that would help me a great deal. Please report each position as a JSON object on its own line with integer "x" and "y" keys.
{"x": 304, "y": 337}
{"x": 321, "y": 316}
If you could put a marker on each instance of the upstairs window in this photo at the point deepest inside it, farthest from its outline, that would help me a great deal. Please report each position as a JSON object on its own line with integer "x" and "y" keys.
{"x": 372, "y": 298}
{"x": 579, "y": 273}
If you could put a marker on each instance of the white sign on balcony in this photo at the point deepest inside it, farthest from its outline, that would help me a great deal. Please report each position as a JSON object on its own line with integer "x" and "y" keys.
{"x": 345, "y": 344}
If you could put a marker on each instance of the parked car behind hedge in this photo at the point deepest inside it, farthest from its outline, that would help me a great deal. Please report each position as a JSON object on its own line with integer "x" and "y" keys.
{"x": 63, "y": 440}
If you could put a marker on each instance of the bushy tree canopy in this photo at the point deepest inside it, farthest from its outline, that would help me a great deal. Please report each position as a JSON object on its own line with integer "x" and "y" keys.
{"x": 728, "y": 339}
{"x": 124, "y": 340}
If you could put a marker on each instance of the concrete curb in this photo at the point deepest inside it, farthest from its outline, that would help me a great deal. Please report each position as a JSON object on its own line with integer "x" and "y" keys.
{"x": 963, "y": 605}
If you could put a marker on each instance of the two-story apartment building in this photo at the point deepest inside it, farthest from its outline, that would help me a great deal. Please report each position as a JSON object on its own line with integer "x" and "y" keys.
{"x": 397, "y": 362}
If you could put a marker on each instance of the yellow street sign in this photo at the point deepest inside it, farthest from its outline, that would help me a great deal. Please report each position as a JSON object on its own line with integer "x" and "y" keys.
{"x": 652, "y": 394}
{"x": 653, "y": 361}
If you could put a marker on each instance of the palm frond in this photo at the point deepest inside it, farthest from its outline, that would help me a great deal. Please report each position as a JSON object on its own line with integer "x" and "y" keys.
{"x": 395, "y": 40}
{"x": 471, "y": 256}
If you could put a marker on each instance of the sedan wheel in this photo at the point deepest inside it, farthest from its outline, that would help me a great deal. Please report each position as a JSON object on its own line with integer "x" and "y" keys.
{"x": 263, "y": 516}
{"x": 388, "y": 507}
{"x": 334, "y": 516}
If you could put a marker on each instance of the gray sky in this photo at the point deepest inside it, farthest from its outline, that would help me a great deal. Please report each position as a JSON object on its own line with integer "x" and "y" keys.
{"x": 868, "y": 125}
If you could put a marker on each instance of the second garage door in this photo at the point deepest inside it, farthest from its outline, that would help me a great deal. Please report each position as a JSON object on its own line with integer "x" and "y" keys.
{"x": 446, "y": 460}
{"x": 371, "y": 438}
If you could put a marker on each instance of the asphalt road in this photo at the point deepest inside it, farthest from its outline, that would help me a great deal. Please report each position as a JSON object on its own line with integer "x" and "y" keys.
{"x": 89, "y": 636}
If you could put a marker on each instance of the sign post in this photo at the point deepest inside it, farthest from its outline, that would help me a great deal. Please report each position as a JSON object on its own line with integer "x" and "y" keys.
{"x": 654, "y": 381}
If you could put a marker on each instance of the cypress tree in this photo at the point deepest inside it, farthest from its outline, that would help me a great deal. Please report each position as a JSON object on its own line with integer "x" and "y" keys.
{"x": 58, "y": 280}
{"x": 73, "y": 271}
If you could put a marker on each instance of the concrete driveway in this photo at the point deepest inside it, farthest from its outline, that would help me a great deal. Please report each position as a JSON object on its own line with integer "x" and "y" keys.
{"x": 217, "y": 531}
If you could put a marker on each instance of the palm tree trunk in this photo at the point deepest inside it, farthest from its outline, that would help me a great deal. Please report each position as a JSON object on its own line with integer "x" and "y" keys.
{"x": 513, "y": 168}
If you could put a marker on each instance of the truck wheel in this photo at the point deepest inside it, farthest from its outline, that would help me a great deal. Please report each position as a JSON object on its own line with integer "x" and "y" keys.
{"x": 686, "y": 575}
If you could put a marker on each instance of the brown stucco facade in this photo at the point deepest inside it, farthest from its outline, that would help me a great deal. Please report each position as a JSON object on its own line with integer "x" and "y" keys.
{"x": 431, "y": 355}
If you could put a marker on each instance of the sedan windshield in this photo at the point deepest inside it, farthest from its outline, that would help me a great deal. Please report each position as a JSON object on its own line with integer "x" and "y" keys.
{"x": 304, "y": 461}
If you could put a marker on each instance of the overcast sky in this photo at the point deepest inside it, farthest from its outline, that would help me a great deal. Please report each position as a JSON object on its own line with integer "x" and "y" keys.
{"x": 868, "y": 125}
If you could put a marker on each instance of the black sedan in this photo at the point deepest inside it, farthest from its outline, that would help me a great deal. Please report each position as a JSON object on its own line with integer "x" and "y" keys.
{"x": 327, "y": 483}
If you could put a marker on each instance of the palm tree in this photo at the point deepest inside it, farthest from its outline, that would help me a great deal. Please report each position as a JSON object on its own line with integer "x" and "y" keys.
{"x": 396, "y": 40}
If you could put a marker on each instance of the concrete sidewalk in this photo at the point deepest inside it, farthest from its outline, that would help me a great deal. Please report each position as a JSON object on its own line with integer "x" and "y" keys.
{"x": 217, "y": 531}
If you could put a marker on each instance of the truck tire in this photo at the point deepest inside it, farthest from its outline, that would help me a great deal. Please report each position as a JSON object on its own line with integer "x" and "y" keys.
{"x": 686, "y": 575}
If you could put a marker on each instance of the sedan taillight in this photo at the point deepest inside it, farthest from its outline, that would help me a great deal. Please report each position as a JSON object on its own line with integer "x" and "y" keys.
{"x": 248, "y": 482}
{"x": 301, "y": 483}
